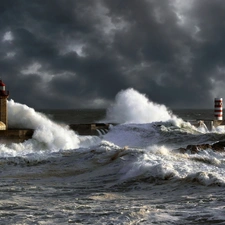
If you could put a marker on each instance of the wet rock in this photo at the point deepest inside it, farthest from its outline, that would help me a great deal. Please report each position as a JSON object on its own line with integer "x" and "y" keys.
{"x": 218, "y": 146}
{"x": 194, "y": 149}
{"x": 205, "y": 146}
{"x": 181, "y": 150}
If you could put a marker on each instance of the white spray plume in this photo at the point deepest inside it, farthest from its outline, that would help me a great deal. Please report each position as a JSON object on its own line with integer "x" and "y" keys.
{"x": 52, "y": 135}
{"x": 132, "y": 107}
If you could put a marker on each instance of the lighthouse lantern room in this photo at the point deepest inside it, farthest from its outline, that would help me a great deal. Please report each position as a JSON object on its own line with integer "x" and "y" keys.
{"x": 3, "y": 107}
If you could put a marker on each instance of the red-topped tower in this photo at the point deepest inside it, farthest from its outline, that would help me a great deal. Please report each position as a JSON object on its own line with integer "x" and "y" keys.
{"x": 3, "y": 104}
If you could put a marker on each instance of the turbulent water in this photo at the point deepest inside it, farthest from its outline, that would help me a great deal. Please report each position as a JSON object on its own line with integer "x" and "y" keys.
{"x": 130, "y": 175}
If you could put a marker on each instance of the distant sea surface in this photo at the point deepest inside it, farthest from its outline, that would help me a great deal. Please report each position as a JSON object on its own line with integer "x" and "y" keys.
{"x": 130, "y": 175}
{"x": 94, "y": 115}
{"x": 75, "y": 116}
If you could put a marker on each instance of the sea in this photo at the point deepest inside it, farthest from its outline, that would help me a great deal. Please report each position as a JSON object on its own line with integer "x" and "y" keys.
{"x": 130, "y": 174}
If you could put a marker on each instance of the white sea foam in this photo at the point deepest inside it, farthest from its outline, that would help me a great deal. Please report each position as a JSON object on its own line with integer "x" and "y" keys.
{"x": 130, "y": 106}
{"x": 48, "y": 136}
{"x": 160, "y": 163}
{"x": 139, "y": 135}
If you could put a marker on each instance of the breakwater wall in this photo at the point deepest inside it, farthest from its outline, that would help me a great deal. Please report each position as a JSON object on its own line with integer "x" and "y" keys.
{"x": 90, "y": 129}
{"x": 16, "y": 135}
{"x": 19, "y": 135}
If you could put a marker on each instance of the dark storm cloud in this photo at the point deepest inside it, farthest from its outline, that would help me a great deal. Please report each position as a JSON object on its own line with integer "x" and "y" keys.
{"x": 76, "y": 53}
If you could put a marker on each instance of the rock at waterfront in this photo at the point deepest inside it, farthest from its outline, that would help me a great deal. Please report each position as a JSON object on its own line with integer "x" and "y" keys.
{"x": 194, "y": 149}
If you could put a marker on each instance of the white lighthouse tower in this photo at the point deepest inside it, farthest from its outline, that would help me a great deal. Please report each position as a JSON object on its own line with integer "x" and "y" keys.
{"x": 3, "y": 107}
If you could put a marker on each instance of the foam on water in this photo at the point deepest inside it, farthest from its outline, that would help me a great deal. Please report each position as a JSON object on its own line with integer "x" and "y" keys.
{"x": 144, "y": 135}
{"x": 160, "y": 163}
{"x": 48, "y": 135}
{"x": 149, "y": 129}
{"x": 146, "y": 126}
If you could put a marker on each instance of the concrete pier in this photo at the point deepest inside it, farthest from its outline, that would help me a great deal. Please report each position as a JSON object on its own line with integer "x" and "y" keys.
{"x": 20, "y": 135}
{"x": 15, "y": 135}
{"x": 90, "y": 129}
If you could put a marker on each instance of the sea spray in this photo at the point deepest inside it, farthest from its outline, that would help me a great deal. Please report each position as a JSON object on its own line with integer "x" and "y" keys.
{"x": 47, "y": 135}
{"x": 132, "y": 107}
{"x": 141, "y": 120}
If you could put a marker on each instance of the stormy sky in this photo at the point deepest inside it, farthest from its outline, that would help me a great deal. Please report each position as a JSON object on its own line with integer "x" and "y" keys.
{"x": 81, "y": 53}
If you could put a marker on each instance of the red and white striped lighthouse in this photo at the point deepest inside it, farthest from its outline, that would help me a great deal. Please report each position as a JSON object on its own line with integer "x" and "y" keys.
{"x": 218, "y": 109}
